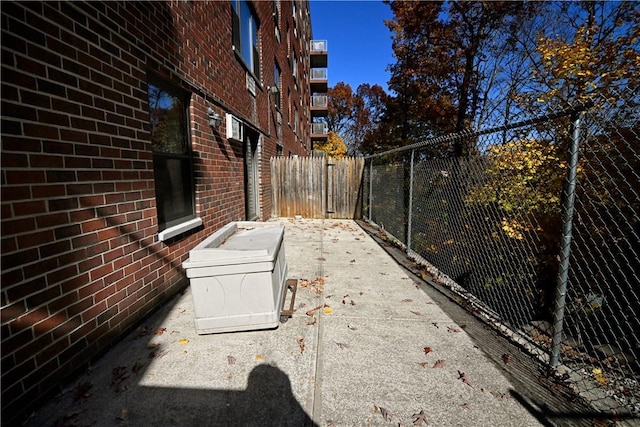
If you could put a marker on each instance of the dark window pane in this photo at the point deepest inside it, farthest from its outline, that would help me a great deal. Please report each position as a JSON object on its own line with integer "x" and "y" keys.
{"x": 174, "y": 189}
{"x": 172, "y": 158}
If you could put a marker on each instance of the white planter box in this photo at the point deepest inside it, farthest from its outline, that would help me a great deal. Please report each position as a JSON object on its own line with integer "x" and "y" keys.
{"x": 238, "y": 278}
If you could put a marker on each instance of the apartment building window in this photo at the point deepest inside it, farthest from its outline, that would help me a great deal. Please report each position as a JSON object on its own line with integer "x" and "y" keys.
{"x": 172, "y": 155}
{"x": 246, "y": 40}
{"x": 277, "y": 98}
{"x": 276, "y": 18}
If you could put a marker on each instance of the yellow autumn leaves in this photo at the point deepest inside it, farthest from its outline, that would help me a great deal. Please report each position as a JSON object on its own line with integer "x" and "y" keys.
{"x": 524, "y": 177}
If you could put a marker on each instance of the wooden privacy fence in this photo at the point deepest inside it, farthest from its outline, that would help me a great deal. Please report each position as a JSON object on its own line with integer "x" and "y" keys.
{"x": 316, "y": 187}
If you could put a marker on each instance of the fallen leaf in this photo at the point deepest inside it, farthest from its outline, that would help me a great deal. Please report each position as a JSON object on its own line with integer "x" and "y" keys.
{"x": 157, "y": 354}
{"x": 231, "y": 360}
{"x": 122, "y": 415}
{"x": 119, "y": 373}
{"x": 161, "y": 331}
{"x": 313, "y": 310}
{"x": 440, "y": 363}
{"x": 328, "y": 310}
{"x": 452, "y": 330}
{"x": 152, "y": 345}
{"x": 311, "y": 322}
{"x": 342, "y": 345}
{"x": 506, "y": 357}
{"x": 183, "y": 341}
{"x": 407, "y": 300}
{"x": 427, "y": 350}
{"x": 419, "y": 418}
{"x": 423, "y": 364}
{"x": 462, "y": 376}
{"x": 81, "y": 391}
{"x": 465, "y": 406}
{"x": 353, "y": 328}
{"x": 385, "y": 413}
{"x": 119, "y": 377}
{"x": 137, "y": 367}
{"x": 353, "y": 261}
{"x": 417, "y": 313}
{"x": 181, "y": 310}
{"x": 258, "y": 357}
{"x": 301, "y": 344}
{"x": 599, "y": 376}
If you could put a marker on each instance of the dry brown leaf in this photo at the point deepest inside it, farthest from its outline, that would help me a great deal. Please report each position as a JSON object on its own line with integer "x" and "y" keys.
{"x": 137, "y": 366}
{"x": 122, "y": 415}
{"x": 311, "y": 322}
{"x": 440, "y": 363}
{"x": 427, "y": 350}
{"x": 157, "y": 354}
{"x": 465, "y": 379}
{"x": 452, "y": 330}
{"x": 506, "y": 357}
{"x": 258, "y": 358}
{"x": 161, "y": 331}
{"x": 419, "y": 418}
{"x": 417, "y": 313}
{"x": 231, "y": 360}
{"x": 407, "y": 300}
{"x": 119, "y": 373}
{"x": 81, "y": 391}
{"x": 423, "y": 364}
{"x": 313, "y": 310}
{"x": 301, "y": 344}
{"x": 385, "y": 413}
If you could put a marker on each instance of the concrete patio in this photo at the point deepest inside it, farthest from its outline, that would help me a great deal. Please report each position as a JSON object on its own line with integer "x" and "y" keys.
{"x": 369, "y": 344}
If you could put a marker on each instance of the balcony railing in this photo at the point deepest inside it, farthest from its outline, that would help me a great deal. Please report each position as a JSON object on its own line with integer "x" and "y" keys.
{"x": 319, "y": 129}
{"x": 319, "y": 74}
{"x": 318, "y": 46}
{"x": 319, "y": 101}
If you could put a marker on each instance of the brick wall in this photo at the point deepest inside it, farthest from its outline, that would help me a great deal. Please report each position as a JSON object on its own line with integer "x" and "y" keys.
{"x": 81, "y": 259}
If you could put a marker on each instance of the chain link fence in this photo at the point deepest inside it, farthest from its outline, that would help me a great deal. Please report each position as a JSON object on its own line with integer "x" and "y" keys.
{"x": 538, "y": 228}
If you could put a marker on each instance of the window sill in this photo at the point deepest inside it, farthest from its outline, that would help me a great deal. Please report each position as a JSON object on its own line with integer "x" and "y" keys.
{"x": 179, "y": 229}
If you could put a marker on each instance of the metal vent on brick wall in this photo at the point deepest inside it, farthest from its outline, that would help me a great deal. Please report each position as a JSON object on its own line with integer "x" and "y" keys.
{"x": 235, "y": 129}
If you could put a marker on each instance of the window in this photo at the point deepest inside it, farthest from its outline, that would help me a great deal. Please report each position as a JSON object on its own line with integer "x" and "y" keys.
{"x": 172, "y": 157}
{"x": 245, "y": 35}
{"x": 276, "y": 18}
{"x": 276, "y": 83}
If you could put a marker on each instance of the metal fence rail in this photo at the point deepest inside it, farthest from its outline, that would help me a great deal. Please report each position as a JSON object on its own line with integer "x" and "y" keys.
{"x": 540, "y": 226}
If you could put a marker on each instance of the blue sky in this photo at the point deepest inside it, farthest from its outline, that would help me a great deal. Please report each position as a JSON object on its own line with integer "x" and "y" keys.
{"x": 359, "y": 42}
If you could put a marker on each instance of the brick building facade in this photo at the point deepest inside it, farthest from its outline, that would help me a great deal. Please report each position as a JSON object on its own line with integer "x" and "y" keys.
{"x": 130, "y": 131}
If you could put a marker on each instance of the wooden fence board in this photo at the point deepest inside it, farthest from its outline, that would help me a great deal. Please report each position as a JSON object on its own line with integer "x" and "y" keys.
{"x": 316, "y": 187}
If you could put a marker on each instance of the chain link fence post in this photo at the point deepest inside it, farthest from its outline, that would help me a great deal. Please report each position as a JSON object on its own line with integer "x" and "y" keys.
{"x": 565, "y": 242}
{"x": 409, "y": 213}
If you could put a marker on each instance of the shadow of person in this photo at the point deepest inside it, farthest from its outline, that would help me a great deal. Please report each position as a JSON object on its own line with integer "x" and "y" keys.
{"x": 267, "y": 401}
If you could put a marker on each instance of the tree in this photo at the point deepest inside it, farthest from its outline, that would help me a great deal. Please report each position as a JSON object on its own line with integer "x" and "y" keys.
{"x": 443, "y": 50}
{"x": 341, "y": 105}
{"x": 334, "y": 147}
{"x": 593, "y": 57}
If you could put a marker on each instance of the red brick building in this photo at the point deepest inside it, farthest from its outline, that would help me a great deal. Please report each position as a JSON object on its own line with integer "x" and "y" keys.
{"x": 130, "y": 131}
